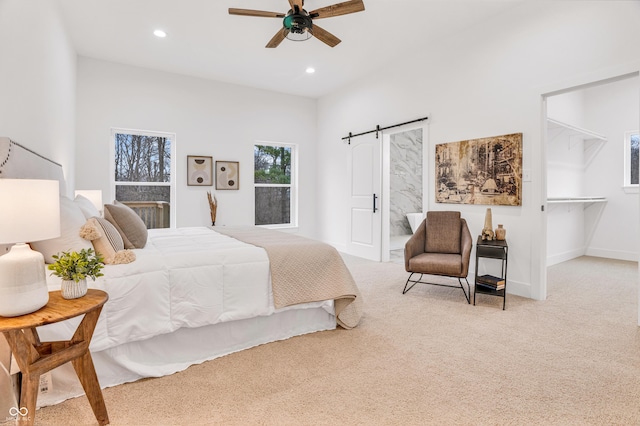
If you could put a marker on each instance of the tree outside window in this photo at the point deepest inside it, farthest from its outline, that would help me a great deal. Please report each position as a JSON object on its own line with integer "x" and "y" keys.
{"x": 634, "y": 145}
{"x": 274, "y": 184}
{"x": 632, "y": 159}
{"x": 143, "y": 172}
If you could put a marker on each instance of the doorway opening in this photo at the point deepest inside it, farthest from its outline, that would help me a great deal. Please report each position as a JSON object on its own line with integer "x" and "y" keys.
{"x": 404, "y": 183}
{"x": 591, "y": 209}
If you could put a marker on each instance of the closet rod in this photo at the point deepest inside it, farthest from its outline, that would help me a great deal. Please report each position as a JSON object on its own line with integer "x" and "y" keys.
{"x": 379, "y": 129}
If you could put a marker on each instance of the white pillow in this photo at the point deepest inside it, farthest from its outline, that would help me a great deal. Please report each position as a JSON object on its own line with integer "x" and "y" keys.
{"x": 71, "y": 220}
{"x": 87, "y": 207}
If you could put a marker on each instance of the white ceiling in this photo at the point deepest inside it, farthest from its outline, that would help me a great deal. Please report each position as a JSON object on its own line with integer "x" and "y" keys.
{"x": 203, "y": 40}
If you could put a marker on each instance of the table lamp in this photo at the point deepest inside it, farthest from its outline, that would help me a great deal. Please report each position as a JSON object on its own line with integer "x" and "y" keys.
{"x": 29, "y": 211}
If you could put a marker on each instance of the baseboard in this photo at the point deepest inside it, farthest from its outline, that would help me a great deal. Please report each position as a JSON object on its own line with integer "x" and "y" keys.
{"x": 518, "y": 288}
{"x": 341, "y": 247}
{"x": 612, "y": 254}
{"x": 605, "y": 253}
{"x": 563, "y": 257}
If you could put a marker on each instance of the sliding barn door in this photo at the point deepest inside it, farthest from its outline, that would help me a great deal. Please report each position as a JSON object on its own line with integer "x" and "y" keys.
{"x": 365, "y": 223}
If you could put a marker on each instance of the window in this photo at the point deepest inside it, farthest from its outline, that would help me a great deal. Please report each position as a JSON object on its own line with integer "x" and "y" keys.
{"x": 275, "y": 185}
{"x": 143, "y": 172}
{"x": 631, "y": 159}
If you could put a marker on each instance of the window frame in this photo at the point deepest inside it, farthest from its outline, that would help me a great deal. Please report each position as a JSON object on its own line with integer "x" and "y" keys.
{"x": 293, "y": 186}
{"x": 172, "y": 180}
{"x": 630, "y": 188}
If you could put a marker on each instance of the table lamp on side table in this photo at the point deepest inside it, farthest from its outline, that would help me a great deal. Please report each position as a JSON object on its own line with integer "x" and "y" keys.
{"x": 29, "y": 211}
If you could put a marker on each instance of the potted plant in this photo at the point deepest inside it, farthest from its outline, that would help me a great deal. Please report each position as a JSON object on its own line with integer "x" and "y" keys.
{"x": 74, "y": 268}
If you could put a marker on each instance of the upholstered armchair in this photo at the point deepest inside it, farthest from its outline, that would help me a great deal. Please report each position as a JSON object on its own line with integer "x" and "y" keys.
{"x": 440, "y": 246}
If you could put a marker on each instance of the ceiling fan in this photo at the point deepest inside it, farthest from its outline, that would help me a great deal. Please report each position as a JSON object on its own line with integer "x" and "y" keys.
{"x": 297, "y": 23}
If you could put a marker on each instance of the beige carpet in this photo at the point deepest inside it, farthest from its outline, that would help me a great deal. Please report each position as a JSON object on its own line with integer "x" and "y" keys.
{"x": 426, "y": 357}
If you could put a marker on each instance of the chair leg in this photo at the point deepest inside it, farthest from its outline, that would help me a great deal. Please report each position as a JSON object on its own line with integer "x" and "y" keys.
{"x": 467, "y": 293}
{"x": 409, "y": 281}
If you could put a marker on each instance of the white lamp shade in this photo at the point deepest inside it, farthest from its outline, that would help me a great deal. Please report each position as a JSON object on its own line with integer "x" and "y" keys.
{"x": 93, "y": 195}
{"x": 29, "y": 210}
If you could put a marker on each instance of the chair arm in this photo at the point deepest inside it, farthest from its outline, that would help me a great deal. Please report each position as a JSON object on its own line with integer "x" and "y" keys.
{"x": 466, "y": 243}
{"x": 416, "y": 244}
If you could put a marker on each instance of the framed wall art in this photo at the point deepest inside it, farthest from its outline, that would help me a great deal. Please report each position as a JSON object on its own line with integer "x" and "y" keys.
{"x": 199, "y": 170}
{"x": 227, "y": 175}
{"x": 480, "y": 171}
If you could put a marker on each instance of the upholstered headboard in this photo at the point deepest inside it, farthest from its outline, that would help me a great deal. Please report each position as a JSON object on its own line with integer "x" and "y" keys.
{"x": 19, "y": 162}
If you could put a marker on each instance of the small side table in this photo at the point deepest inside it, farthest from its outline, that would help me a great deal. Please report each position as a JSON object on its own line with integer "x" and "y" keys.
{"x": 495, "y": 249}
{"x": 35, "y": 358}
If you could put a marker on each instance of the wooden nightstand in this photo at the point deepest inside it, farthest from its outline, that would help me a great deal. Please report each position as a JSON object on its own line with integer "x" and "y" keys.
{"x": 35, "y": 358}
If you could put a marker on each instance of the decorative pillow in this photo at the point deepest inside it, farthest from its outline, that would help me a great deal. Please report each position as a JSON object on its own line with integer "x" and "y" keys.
{"x": 106, "y": 241}
{"x": 130, "y": 226}
{"x": 111, "y": 233}
{"x": 87, "y": 207}
{"x": 71, "y": 220}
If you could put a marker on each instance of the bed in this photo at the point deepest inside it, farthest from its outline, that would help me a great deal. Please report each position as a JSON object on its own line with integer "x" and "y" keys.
{"x": 195, "y": 294}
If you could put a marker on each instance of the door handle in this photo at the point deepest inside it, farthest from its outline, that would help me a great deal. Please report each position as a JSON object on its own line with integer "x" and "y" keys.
{"x": 374, "y": 202}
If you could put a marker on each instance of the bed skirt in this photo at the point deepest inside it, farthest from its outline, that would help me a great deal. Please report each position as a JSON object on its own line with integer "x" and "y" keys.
{"x": 188, "y": 346}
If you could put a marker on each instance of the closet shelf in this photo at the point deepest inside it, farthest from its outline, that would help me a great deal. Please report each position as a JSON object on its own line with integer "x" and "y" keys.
{"x": 585, "y": 199}
{"x": 591, "y": 142}
{"x": 574, "y": 131}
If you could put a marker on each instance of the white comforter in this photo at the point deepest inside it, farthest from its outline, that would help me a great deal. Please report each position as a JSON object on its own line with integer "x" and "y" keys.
{"x": 185, "y": 277}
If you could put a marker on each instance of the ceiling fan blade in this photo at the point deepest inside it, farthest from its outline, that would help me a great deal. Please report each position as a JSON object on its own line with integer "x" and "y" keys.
{"x": 294, "y": 3}
{"x": 344, "y": 8}
{"x": 260, "y": 13}
{"x": 277, "y": 39}
{"x": 324, "y": 36}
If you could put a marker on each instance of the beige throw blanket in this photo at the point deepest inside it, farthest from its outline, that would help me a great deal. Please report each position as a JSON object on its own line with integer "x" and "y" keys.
{"x": 304, "y": 270}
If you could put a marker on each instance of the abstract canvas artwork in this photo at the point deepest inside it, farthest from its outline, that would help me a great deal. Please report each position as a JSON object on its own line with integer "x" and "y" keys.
{"x": 480, "y": 171}
{"x": 199, "y": 170}
{"x": 227, "y": 174}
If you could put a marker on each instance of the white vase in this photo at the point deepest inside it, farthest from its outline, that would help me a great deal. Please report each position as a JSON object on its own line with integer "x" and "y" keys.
{"x": 72, "y": 290}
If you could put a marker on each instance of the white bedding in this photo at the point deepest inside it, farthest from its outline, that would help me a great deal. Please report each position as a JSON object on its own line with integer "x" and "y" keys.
{"x": 185, "y": 277}
{"x": 191, "y": 295}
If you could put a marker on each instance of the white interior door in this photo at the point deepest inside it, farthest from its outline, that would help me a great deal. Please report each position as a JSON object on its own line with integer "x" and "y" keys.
{"x": 365, "y": 216}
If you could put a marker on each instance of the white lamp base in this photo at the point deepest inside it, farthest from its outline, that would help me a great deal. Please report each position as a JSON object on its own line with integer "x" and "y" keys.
{"x": 23, "y": 285}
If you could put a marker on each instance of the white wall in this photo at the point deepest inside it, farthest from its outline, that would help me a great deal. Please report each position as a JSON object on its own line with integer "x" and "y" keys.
{"x": 37, "y": 81}
{"x": 612, "y": 110}
{"x": 486, "y": 81}
{"x": 208, "y": 118}
{"x": 567, "y": 108}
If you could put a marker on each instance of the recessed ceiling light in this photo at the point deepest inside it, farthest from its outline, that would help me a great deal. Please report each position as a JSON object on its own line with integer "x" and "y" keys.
{"x": 159, "y": 33}
{"x": 310, "y": 70}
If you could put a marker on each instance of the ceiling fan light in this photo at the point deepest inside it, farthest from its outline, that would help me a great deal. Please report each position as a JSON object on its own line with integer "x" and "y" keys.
{"x": 297, "y": 25}
{"x": 299, "y": 36}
